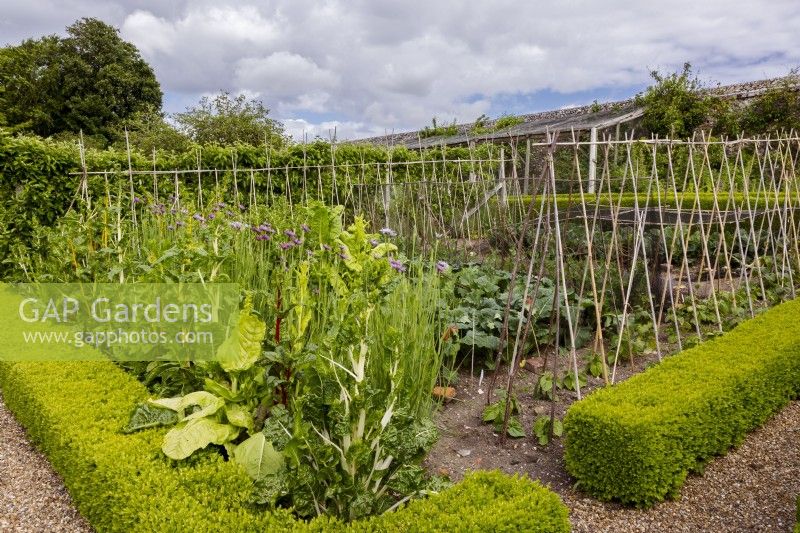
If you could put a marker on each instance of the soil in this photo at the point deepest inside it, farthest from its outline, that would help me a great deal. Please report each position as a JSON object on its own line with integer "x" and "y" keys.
{"x": 467, "y": 443}
{"x": 751, "y": 488}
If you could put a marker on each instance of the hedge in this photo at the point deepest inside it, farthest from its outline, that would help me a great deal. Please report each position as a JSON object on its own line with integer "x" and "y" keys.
{"x": 797, "y": 516}
{"x": 74, "y": 411}
{"x": 637, "y": 441}
{"x": 686, "y": 200}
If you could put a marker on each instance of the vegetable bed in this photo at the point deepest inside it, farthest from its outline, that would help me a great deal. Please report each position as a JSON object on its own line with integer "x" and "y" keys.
{"x": 74, "y": 412}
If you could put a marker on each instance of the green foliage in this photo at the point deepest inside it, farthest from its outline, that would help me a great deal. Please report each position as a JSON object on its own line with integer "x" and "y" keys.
{"x": 547, "y": 385}
{"x": 777, "y": 109}
{"x": 149, "y": 131}
{"x": 36, "y": 189}
{"x": 227, "y": 120}
{"x": 115, "y": 478}
{"x": 439, "y": 130}
{"x": 637, "y": 441}
{"x": 544, "y": 425}
{"x": 90, "y": 80}
{"x": 675, "y": 104}
{"x": 797, "y": 516}
{"x": 478, "y": 303}
{"x": 336, "y": 349}
{"x": 481, "y": 125}
{"x": 494, "y": 413}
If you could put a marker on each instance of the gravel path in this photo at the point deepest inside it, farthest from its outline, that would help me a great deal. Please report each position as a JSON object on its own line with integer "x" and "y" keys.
{"x": 752, "y": 488}
{"x": 32, "y": 495}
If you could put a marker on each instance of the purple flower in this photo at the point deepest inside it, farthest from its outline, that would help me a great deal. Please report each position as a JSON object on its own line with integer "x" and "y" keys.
{"x": 237, "y": 225}
{"x": 289, "y": 233}
{"x": 441, "y": 266}
{"x": 262, "y": 237}
{"x": 211, "y": 216}
{"x": 286, "y": 245}
{"x": 137, "y": 200}
{"x": 198, "y": 217}
{"x": 297, "y": 241}
{"x": 309, "y": 253}
{"x": 374, "y": 242}
{"x": 397, "y": 265}
{"x": 222, "y": 205}
{"x": 180, "y": 223}
{"x": 242, "y": 207}
{"x": 326, "y": 247}
{"x": 170, "y": 227}
{"x": 388, "y": 232}
{"x": 305, "y": 227}
{"x": 344, "y": 256}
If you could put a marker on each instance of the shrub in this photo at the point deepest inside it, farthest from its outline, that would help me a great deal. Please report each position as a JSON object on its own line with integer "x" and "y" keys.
{"x": 74, "y": 412}
{"x": 636, "y": 442}
{"x": 797, "y": 516}
{"x": 675, "y": 105}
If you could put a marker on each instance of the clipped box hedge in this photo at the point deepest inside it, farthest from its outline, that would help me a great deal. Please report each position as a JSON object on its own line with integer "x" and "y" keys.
{"x": 637, "y": 441}
{"x": 797, "y": 515}
{"x": 74, "y": 411}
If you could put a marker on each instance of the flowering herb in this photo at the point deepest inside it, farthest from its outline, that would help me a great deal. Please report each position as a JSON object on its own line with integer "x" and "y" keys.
{"x": 388, "y": 232}
{"x": 286, "y": 245}
{"x": 305, "y": 228}
{"x": 237, "y": 225}
{"x": 289, "y": 233}
{"x": 374, "y": 242}
{"x": 397, "y": 265}
{"x": 442, "y": 267}
{"x": 198, "y": 217}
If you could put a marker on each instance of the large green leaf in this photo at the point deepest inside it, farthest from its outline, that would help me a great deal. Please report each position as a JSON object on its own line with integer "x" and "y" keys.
{"x": 258, "y": 457}
{"x": 187, "y": 437}
{"x": 207, "y": 402}
{"x": 238, "y": 416}
{"x": 241, "y": 350}
{"x": 146, "y": 415}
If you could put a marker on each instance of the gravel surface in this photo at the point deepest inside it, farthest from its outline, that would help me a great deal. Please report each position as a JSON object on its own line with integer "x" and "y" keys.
{"x": 32, "y": 495}
{"x": 752, "y": 488}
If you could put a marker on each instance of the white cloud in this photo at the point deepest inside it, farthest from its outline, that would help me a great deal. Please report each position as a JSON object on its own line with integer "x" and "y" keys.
{"x": 386, "y": 65}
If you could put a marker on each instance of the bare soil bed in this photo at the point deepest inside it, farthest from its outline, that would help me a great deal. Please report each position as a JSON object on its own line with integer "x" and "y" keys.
{"x": 752, "y": 488}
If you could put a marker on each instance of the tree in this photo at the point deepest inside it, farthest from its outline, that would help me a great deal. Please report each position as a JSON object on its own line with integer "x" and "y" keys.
{"x": 90, "y": 81}
{"x": 777, "y": 109}
{"x": 225, "y": 120}
{"x": 675, "y": 105}
{"x": 149, "y": 130}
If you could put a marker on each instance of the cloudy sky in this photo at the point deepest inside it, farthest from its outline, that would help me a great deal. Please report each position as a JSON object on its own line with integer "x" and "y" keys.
{"x": 368, "y": 67}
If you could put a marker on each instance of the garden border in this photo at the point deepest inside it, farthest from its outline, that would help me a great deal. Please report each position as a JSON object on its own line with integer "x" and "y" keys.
{"x": 73, "y": 412}
{"x": 636, "y": 442}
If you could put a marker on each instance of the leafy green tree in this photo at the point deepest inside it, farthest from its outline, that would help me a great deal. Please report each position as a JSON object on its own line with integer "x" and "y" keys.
{"x": 775, "y": 110}
{"x": 224, "y": 119}
{"x": 90, "y": 81}
{"x": 149, "y": 130}
{"x": 675, "y": 105}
